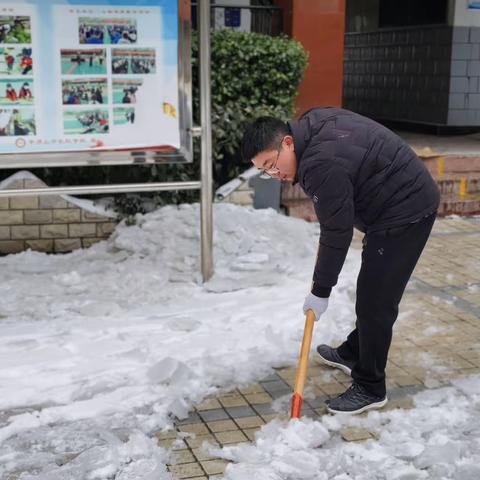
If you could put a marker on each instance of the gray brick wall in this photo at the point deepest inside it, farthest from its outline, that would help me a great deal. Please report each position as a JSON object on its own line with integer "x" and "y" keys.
{"x": 404, "y": 74}
{"x": 464, "y": 93}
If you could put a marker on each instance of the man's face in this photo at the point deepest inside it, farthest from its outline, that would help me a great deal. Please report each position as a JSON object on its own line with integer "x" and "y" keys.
{"x": 280, "y": 164}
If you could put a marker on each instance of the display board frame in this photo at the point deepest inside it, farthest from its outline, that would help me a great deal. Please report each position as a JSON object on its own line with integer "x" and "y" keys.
{"x": 204, "y": 131}
{"x": 126, "y": 156}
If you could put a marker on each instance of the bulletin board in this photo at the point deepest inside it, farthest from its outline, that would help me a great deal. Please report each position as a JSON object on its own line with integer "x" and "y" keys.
{"x": 104, "y": 82}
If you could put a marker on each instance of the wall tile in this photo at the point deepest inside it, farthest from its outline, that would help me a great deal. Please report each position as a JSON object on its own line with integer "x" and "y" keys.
{"x": 459, "y": 85}
{"x": 461, "y": 51}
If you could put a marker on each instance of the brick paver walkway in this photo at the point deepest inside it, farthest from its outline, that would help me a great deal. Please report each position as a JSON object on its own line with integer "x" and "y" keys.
{"x": 439, "y": 339}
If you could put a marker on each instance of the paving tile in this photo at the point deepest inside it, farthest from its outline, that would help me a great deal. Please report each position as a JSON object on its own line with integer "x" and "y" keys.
{"x": 232, "y": 401}
{"x": 249, "y": 422}
{"x": 239, "y": 412}
{"x": 321, "y": 410}
{"x": 197, "y": 441}
{"x": 315, "y": 402}
{"x": 192, "y": 418}
{"x": 202, "y": 454}
{"x": 186, "y": 470}
{"x": 212, "y": 415}
{"x": 250, "y": 433}
{"x": 271, "y": 378}
{"x": 405, "y": 403}
{"x": 287, "y": 374}
{"x": 341, "y": 377}
{"x": 276, "y": 416}
{"x": 256, "y": 398}
{"x": 264, "y": 409}
{"x": 169, "y": 434}
{"x": 213, "y": 467}
{"x": 172, "y": 443}
{"x": 235, "y": 436}
{"x": 222, "y": 426}
{"x": 276, "y": 386}
{"x": 308, "y": 412}
{"x": 406, "y": 380}
{"x": 351, "y": 434}
{"x": 332, "y": 389}
{"x": 199, "y": 428}
{"x": 276, "y": 395}
{"x": 183, "y": 456}
{"x": 253, "y": 388}
{"x": 209, "y": 404}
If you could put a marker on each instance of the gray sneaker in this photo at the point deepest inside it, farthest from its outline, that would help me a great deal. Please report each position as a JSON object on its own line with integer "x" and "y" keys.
{"x": 329, "y": 356}
{"x": 355, "y": 400}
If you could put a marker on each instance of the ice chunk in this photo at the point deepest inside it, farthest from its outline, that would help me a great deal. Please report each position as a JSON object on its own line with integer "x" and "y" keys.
{"x": 168, "y": 371}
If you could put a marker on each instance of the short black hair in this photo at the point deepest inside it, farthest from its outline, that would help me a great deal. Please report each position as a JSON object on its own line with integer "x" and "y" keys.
{"x": 265, "y": 133}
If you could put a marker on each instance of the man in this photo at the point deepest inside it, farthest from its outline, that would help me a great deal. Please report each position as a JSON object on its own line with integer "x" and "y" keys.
{"x": 358, "y": 174}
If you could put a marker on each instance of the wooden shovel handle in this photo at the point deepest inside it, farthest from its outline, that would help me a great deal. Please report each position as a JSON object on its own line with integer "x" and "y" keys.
{"x": 302, "y": 366}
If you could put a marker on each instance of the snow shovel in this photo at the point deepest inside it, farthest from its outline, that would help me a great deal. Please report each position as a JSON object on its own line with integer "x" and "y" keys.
{"x": 302, "y": 366}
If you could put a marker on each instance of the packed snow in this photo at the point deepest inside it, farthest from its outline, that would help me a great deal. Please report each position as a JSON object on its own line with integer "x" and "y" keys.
{"x": 102, "y": 347}
{"x": 107, "y": 344}
{"x": 438, "y": 439}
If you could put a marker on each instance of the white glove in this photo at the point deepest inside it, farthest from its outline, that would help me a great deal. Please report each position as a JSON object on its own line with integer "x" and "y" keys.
{"x": 317, "y": 304}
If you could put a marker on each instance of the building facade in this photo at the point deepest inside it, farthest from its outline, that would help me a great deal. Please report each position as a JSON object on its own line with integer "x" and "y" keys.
{"x": 414, "y": 63}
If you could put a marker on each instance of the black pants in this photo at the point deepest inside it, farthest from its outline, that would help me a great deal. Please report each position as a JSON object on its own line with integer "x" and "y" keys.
{"x": 388, "y": 259}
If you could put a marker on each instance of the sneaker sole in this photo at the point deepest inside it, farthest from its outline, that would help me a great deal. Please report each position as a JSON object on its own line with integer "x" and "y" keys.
{"x": 360, "y": 410}
{"x": 342, "y": 367}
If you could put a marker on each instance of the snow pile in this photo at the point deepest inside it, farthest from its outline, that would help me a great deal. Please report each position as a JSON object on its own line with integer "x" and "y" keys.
{"x": 252, "y": 247}
{"x": 439, "y": 438}
{"x": 98, "y": 348}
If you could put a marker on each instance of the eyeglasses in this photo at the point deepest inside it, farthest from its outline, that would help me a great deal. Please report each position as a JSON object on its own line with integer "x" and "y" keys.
{"x": 273, "y": 169}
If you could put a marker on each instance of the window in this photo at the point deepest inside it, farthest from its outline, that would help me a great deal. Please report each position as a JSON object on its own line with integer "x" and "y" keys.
{"x": 394, "y": 13}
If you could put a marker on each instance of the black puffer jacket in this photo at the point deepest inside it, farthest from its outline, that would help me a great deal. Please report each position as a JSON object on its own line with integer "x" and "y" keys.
{"x": 358, "y": 173}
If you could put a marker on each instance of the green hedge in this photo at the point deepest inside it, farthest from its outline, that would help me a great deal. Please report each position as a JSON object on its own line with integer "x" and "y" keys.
{"x": 251, "y": 75}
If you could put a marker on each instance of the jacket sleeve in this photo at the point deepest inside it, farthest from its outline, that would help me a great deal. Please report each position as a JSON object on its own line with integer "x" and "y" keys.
{"x": 331, "y": 189}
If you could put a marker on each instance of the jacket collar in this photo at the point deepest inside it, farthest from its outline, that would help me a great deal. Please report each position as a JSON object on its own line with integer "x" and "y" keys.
{"x": 298, "y": 133}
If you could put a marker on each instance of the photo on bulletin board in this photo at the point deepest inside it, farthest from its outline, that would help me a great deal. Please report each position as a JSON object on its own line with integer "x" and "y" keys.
{"x": 94, "y": 76}
{"x": 474, "y": 4}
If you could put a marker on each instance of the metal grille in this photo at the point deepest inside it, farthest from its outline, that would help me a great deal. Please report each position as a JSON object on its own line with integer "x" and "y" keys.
{"x": 266, "y": 19}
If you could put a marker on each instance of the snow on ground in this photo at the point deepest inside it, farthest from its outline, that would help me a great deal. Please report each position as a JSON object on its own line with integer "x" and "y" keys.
{"x": 98, "y": 348}
{"x": 438, "y": 439}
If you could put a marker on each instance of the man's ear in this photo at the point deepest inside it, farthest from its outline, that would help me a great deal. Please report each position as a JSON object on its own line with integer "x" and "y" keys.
{"x": 288, "y": 140}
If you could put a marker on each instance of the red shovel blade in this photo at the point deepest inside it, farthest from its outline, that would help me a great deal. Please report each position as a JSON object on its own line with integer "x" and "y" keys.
{"x": 296, "y": 406}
